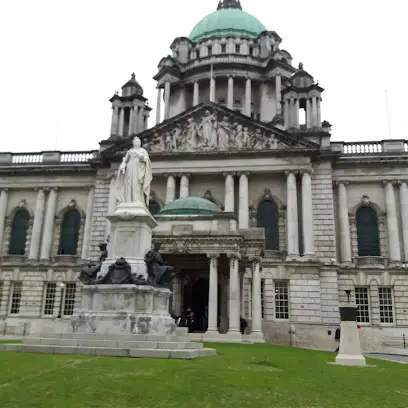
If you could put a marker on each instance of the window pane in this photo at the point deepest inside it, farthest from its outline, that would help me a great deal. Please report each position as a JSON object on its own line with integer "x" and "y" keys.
{"x": 18, "y": 236}
{"x": 69, "y": 302}
{"x": 363, "y": 307}
{"x": 386, "y": 305}
{"x": 368, "y": 239}
{"x": 281, "y": 300}
{"x": 16, "y": 298}
{"x": 70, "y": 233}
{"x": 49, "y": 300}
{"x": 268, "y": 218}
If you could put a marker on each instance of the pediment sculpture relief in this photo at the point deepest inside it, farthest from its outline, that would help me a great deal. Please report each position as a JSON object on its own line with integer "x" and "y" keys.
{"x": 211, "y": 131}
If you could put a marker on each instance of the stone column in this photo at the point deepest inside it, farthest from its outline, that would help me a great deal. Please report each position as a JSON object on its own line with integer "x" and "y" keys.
{"x": 234, "y": 302}
{"x": 394, "y": 248}
{"x": 171, "y": 188}
{"x": 404, "y": 216}
{"x": 243, "y": 211}
{"x": 213, "y": 294}
{"x": 286, "y": 113}
{"x": 112, "y": 202}
{"x": 167, "y": 91}
{"x": 307, "y": 215}
{"x": 212, "y": 89}
{"x": 196, "y": 94}
{"x": 229, "y": 192}
{"x": 344, "y": 223}
{"x": 184, "y": 185}
{"x": 278, "y": 91}
{"x": 314, "y": 112}
{"x": 256, "y": 331}
{"x": 158, "y": 105}
{"x": 88, "y": 224}
{"x": 49, "y": 225}
{"x": 296, "y": 113}
{"x": 130, "y": 128}
{"x": 121, "y": 121}
{"x": 3, "y": 212}
{"x": 292, "y": 215}
{"x": 318, "y": 113}
{"x": 248, "y": 97}
{"x": 308, "y": 114}
{"x": 230, "y": 95}
{"x": 115, "y": 120}
{"x": 37, "y": 225}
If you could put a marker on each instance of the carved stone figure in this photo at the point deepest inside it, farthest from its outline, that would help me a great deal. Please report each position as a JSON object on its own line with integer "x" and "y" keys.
{"x": 89, "y": 272}
{"x": 134, "y": 176}
{"x": 224, "y": 133}
{"x": 119, "y": 273}
{"x": 160, "y": 274}
{"x": 208, "y": 127}
{"x": 192, "y": 134}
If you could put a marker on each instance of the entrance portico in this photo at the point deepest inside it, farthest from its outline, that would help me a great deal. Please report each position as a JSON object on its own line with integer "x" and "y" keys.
{"x": 211, "y": 256}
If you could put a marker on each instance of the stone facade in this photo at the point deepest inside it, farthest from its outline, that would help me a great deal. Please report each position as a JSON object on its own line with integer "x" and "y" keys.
{"x": 234, "y": 136}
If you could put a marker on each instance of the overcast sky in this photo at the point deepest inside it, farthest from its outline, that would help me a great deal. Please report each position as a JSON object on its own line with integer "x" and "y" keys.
{"x": 61, "y": 61}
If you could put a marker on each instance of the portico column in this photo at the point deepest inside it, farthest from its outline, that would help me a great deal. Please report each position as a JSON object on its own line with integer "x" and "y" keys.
{"x": 184, "y": 185}
{"x": 307, "y": 215}
{"x": 243, "y": 212}
{"x": 229, "y": 192}
{"x": 213, "y": 294}
{"x": 158, "y": 105}
{"x": 230, "y": 95}
{"x": 115, "y": 120}
{"x": 318, "y": 114}
{"x": 256, "y": 301}
{"x": 278, "y": 91}
{"x": 287, "y": 115}
{"x": 292, "y": 210}
{"x": 37, "y": 225}
{"x": 296, "y": 113}
{"x": 196, "y": 94}
{"x": 121, "y": 122}
{"x": 130, "y": 128}
{"x": 111, "y": 202}
{"x": 308, "y": 114}
{"x": 344, "y": 223}
{"x": 314, "y": 112}
{"x": 212, "y": 89}
{"x": 88, "y": 224}
{"x": 248, "y": 97}
{"x": 166, "y": 100}
{"x": 49, "y": 224}
{"x": 392, "y": 223}
{"x": 234, "y": 299}
{"x": 404, "y": 216}
{"x": 3, "y": 212}
{"x": 171, "y": 188}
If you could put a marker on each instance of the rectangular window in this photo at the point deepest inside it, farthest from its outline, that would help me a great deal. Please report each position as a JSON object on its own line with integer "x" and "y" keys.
{"x": 69, "y": 299}
{"x": 209, "y": 51}
{"x": 263, "y": 298}
{"x": 386, "y": 305}
{"x": 237, "y": 48}
{"x": 363, "y": 306}
{"x": 281, "y": 300}
{"x": 49, "y": 299}
{"x": 15, "y": 302}
{"x": 223, "y": 48}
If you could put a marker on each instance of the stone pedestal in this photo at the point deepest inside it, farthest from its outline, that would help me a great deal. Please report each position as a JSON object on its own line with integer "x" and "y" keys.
{"x": 350, "y": 348}
{"x": 130, "y": 237}
{"x": 124, "y": 309}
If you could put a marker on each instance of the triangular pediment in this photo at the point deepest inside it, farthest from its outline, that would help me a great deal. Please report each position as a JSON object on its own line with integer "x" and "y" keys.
{"x": 213, "y": 128}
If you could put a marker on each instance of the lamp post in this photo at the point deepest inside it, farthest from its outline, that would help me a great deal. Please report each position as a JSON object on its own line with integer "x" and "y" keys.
{"x": 61, "y": 285}
{"x": 348, "y": 293}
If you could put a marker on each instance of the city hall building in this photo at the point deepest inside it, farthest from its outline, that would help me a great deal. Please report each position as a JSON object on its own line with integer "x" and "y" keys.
{"x": 261, "y": 214}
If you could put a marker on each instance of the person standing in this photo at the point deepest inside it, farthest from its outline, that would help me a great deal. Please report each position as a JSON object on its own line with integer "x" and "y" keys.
{"x": 337, "y": 339}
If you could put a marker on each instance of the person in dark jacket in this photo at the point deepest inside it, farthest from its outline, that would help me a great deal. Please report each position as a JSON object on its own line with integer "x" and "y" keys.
{"x": 243, "y": 325}
{"x": 337, "y": 339}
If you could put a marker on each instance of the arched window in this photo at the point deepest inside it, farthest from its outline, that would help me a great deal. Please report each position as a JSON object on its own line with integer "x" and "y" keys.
{"x": 19, "y": 230}
{"x": 368, "y": 239}
{"x": 268, "y": 218}
{"x": 154, "y": 207}
{"x": 69, "y": 233}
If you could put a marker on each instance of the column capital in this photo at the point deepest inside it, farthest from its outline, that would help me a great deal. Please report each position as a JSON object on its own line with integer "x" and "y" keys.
{"x": 229, "y": 173}
{"x": 37, "y": 189}
{"x": 306, "y": 171}
{"x": 400, "y": 182}
{"x": 256, "y": 259}
{"x": 5, "y": 189}
{"x": 234, "y": 256}
{"x": 188, "y": 175}
{"x": 54, "y": 189}
{"x": 294, "y": 172}
{"x": 213, "y": 256}
{"x": 167, "y": 175}
{"x": 243, "y": 173}
{"x": 341, "y": 182}
{"x": 392, "y": 182}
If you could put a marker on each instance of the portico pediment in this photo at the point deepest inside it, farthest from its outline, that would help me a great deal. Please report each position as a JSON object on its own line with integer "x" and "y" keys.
{"x": 213, "y": 128}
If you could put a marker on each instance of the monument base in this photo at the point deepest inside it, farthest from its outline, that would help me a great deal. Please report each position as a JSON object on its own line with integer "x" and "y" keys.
{"x": 130, "y": 237}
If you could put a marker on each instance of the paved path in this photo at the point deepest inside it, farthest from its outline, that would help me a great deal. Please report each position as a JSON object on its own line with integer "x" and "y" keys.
{"x": 389, "y": 357}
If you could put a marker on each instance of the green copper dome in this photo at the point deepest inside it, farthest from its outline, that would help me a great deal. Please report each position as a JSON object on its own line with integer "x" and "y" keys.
{"x": 190, "y": 206}
{"x": 227, "y": 21}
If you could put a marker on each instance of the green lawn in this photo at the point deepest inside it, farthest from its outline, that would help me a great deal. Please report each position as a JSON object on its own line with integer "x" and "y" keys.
{"x": 240, "y": 376}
